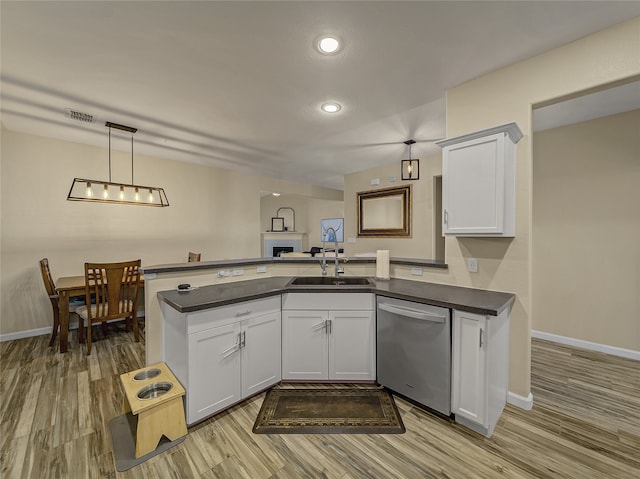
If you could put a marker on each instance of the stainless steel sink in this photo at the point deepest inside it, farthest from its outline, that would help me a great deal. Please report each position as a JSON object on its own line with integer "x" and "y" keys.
{"x": 330, "y": 281}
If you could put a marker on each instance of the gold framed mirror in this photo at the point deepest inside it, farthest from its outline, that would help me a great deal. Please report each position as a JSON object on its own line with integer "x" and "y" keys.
{"x": 385, "y": 212}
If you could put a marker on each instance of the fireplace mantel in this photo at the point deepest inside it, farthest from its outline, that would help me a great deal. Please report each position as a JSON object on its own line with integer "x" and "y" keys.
{"x": 296, "y": 239}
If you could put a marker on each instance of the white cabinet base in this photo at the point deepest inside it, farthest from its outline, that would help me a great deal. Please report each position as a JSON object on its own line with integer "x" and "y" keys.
{"x": 328, "y": 337}
{"x": 223, "y": 355}
{"x": 480, "y": 369}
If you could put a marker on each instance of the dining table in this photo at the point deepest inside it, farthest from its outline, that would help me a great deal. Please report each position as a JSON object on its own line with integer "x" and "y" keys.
{"x": 68, "y": 287}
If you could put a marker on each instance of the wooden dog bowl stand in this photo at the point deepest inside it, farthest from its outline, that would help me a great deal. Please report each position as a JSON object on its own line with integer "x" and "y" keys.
{"x": 163, "y": 415}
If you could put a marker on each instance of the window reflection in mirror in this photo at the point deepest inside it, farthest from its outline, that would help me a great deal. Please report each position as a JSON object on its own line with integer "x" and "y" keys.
{"x": 385, "y": 212}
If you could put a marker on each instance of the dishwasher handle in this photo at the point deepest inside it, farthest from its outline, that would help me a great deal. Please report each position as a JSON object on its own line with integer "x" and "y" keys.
{"x": 412, "y": 313}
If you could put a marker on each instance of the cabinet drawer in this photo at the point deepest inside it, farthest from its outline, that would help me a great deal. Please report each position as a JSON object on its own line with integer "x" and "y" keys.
{"x": 327, "y": 301}
{"x": 201, "y": 320}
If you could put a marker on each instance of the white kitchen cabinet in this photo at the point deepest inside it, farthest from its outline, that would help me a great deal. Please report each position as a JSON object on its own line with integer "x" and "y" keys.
{"x": 223, "y": 355}
{"x": 305, "y": 354}
{"x": 214, "y": 371}
{"x": 328, "y": 336}
{"x": 261, "y": 353}
{"x": 478, "y": 182}
{"x": 479, "y": 377}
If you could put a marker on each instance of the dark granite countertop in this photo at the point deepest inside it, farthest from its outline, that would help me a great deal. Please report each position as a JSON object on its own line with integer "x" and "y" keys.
{"x": 230, "y": 263}
{"x": 468, "y": 299}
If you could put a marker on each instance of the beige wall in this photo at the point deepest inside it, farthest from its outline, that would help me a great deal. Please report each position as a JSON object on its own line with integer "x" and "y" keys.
{"x": 507, "y": 95}
{"x": 420, "y": 245}
{"x": 506, "y": 264}
{"x": 34, "y": 225}
{"x": 213, "y": 211}
{"x": 586, "y": 231}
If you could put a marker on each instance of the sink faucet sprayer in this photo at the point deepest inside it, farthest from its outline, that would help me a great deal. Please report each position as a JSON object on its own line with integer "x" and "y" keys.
{"x": 323, "y": 265}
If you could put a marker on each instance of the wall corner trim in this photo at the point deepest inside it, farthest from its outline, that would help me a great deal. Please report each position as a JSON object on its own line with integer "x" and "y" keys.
{"x": 522, "y": 402}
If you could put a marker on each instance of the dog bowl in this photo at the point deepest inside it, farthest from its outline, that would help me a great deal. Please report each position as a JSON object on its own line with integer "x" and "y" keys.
{"x": 147, "y": 374}
{"x": 154, "y": 390}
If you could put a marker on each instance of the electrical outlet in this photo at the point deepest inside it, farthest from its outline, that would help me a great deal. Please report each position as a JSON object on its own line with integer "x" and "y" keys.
{"x": 375, "y": 182}
{"x": 261, "y": 269}
{"x": 472, "y": 265}
{"x": 238, "y": 272}
{"x": 223, "y": 273}
{"x": 392, "y": 179}
{"x": 416, "y": 271}
{"x": 351, "y": 240}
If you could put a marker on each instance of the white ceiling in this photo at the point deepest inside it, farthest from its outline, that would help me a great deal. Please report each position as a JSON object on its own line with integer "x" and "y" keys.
{"x": 239, "y": 84}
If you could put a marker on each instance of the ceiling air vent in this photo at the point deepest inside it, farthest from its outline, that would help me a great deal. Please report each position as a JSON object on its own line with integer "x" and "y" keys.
{"x": 78, "y": 115}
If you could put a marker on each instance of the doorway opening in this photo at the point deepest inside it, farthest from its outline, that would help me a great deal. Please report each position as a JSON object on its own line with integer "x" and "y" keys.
{"x": 438, "y": 238}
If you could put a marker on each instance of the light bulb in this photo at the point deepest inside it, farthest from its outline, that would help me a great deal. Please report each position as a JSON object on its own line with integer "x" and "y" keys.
{"x": 137, "y": 195}
{"x": 328, "y": 45}
{"x": 331, "y": 107}
{"x": 150, "y": 196}
{"x": 410, "y": 168}
{"x": 105, "y": 193}
{"x": 122, "y": 192}
{"x": 89, "y": 191}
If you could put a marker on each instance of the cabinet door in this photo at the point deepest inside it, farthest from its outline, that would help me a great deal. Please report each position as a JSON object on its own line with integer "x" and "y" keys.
{"x": 261, "y": 353}
{"x": 214, "y": 371}
{"x": 473, "y": 186}
{"x": 469, "y": 381}
{"x": 351, "y": 345}
{"x": 304, "y": 345}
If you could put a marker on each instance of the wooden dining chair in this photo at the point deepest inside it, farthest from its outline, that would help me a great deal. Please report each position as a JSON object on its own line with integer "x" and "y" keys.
{"x": 115, "y": 288}
{"x": 50, "y": 287}
{"x": 194, "y": 257}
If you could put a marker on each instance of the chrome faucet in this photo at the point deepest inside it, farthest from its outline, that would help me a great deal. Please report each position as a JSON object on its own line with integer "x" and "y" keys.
{"x": 323, "y": 265}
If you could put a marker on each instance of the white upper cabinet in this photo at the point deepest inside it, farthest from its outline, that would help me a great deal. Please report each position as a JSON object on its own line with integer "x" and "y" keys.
{"x": 478, "y": 182}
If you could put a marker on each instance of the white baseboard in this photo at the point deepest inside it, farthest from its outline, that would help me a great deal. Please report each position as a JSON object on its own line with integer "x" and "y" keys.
{"x": 40, "y": 331}
{"x": 522, "y": 402}
{"x": 25, "y": 334}
{"x": 579, "y": 343}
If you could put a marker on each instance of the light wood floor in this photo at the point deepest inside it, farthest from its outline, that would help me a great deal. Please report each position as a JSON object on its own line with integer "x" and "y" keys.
{"x": 55, "y": 410}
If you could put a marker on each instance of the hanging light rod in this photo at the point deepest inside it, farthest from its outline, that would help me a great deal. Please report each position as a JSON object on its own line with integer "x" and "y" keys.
{"x": 101, "y": 191}
{"x": 117, "y": 126}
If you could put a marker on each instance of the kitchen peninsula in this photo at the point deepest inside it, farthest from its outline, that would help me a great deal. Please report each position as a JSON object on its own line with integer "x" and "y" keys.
{"x": 233, "y": 307}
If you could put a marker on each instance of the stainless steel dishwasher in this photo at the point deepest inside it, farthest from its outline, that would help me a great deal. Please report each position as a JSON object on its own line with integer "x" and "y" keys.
{"x": 414, "y": 351}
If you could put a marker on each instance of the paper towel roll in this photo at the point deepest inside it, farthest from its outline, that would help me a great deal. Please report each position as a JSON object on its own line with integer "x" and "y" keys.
{"x": 382, "y": 264}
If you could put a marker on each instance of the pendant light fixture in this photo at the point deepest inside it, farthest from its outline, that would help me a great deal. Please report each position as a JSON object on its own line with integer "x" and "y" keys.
{"x": 410, "y": 168}
{"x": 121, "y": 193}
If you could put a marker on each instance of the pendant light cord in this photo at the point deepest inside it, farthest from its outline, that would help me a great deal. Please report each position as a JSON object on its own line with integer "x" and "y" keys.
{"x": 110, "y": 155}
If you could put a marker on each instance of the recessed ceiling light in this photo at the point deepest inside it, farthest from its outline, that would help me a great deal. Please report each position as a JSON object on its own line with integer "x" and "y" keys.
{"x": 328, "y": 45}
{"x": 276, "y": 194}
{"x": 331, "y": 107}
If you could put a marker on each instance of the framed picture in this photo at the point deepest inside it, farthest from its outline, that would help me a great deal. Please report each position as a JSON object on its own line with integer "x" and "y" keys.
{"x": 277, "y": 224}
{"x": 332, "y": 230}
{"x": 385, "y": 212}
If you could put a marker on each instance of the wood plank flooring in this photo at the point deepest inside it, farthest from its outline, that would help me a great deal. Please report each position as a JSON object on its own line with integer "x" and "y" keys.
{"x": 55, "y": 409}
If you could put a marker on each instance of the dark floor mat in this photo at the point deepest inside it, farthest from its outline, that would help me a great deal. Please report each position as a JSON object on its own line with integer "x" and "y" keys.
{"x": 328, "y": 411}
